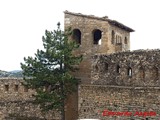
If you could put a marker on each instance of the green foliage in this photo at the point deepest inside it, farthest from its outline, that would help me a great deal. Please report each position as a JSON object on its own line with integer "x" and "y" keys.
{"x": 49, "y": 72}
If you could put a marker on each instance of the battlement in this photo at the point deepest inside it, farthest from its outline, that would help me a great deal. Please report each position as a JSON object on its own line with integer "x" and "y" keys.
{"x": 136, "y": 68}
{"x": 96, "y": 35}
{"x": 13, "y": 89}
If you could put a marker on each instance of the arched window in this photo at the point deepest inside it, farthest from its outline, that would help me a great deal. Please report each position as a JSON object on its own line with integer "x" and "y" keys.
{"x": 129, "y": 72}
{"x": 97, "y": 35}
{"x": 118, "y": 69}
{"x": 113, "y": 37}
{"x": 125, "y": 40}
{"x": 76, "y": 35}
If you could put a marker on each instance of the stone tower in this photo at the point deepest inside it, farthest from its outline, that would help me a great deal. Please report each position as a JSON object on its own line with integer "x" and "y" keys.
{"x": 96, "y": 36}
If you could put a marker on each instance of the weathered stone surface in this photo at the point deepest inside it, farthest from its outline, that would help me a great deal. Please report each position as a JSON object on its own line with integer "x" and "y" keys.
{"x": 16, "y": 99}
{"x": 136, "y": 68}
{"x": 94, "y": 99}
{"x": 112, "y": 77}
{"x": 87, "y": 25}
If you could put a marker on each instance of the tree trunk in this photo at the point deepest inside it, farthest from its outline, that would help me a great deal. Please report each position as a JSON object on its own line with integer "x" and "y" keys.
{"x": 62, "y": 94}
{"x": 63, "y": 113}
{"x": 63, "y": 103}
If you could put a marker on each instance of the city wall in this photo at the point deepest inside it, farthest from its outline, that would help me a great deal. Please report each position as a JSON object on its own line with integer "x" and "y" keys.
{"x": 17, "y": 100}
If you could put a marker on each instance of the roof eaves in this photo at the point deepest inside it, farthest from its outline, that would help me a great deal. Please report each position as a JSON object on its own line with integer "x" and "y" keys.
{"x": 113, "y": 22}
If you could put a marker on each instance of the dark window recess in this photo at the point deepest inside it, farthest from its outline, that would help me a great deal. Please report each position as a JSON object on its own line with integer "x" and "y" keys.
{"x": 76, "y": 35}
{"x": 129, "y": 71}
{"x": 16, "y": 88}
{"x": 118, "y": 69}
{"x": 106, "y": 66}
{"x": 25, "y": 88}
{"x": 125, "y": 40}
{"x": 96, "y": 67}
{"x": 113, "y": 37}
{"x": 97, "y": 35}
{"x": 6, "y": 87}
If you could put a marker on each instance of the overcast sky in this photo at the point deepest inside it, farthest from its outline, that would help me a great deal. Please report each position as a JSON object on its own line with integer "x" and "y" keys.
{"x": 23, "y": 22}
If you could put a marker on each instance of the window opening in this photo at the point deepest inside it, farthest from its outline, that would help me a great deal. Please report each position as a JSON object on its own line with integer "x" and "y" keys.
{"x": 125, "y": 40}
{"x": 97, "y": 35}
{"x": 113, "y": 37}
{"x": 25, "y": 88}
{"x": 6, "y": 87}
{"x": 118, "y": 69}
{"x": 76, "y": 35}
{"x": 129, "y": 71}
{"x": 16, "y": 88}
{"x": 106, "y": 66}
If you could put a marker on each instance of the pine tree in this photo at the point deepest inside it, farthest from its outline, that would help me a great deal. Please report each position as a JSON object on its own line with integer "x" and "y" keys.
{"x": 49, "y": 72}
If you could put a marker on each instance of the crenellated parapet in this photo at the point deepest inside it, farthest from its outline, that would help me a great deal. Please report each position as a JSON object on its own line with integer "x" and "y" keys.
{"x": 130, "y": 68}
{"x": 13, "y": 89}
{"x": 16, "y": 99}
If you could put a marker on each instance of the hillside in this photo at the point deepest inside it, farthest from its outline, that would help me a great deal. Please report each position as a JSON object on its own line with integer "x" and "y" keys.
{"x": 15, "y": 73}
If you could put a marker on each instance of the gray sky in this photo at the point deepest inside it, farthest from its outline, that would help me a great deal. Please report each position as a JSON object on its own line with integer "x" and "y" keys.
{"x": 23, "y": 22}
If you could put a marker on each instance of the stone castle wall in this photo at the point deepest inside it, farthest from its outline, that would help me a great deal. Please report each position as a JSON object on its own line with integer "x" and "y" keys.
{"x": 126, "y": 81}
{"x": 12, "y": 89}
{"x": 94, "y": 99}
{"x": 136, "y": 68}
{"x": 114, "y": 79}
{"x": 112, "y": 37}
{"x": 17, "y": 100}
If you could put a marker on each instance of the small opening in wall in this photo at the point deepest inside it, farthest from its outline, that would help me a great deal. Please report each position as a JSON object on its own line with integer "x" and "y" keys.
{"x": 129, "y": 71}
{"x": 116, "y": 39}
{"x": 6, "y": 87}
{"x": 113, "y": 37}
{"x": 141, "y": 73}
{"x": 155, "y": 73}
{"x": 106, "y": 66}
{"x": 97, "y": 35}
{"x": 96, "y": 67}
{"x": 125, "y": 40}
{"x": 16, "y": 88}
{"x": 84, "y": 110}
{"x": 25, "y": 88}
{"x": 118, "y": 69}
{"x": 76, "y": 35}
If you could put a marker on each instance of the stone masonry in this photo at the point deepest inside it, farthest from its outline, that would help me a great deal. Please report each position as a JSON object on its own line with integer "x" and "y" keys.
{"x": 96, "y": 35}
{"x": 17, "y": 99}
{"x": 112, "y": 77}
{"x": 116, "y": 84}
{"x": 136, "y": 68}
{"x": 95, "y": 99}
{"x": 124, "y": 81}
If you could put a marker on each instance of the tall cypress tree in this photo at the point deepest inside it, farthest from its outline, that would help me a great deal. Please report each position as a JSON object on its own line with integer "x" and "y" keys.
{"x": 49, "y": 72}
